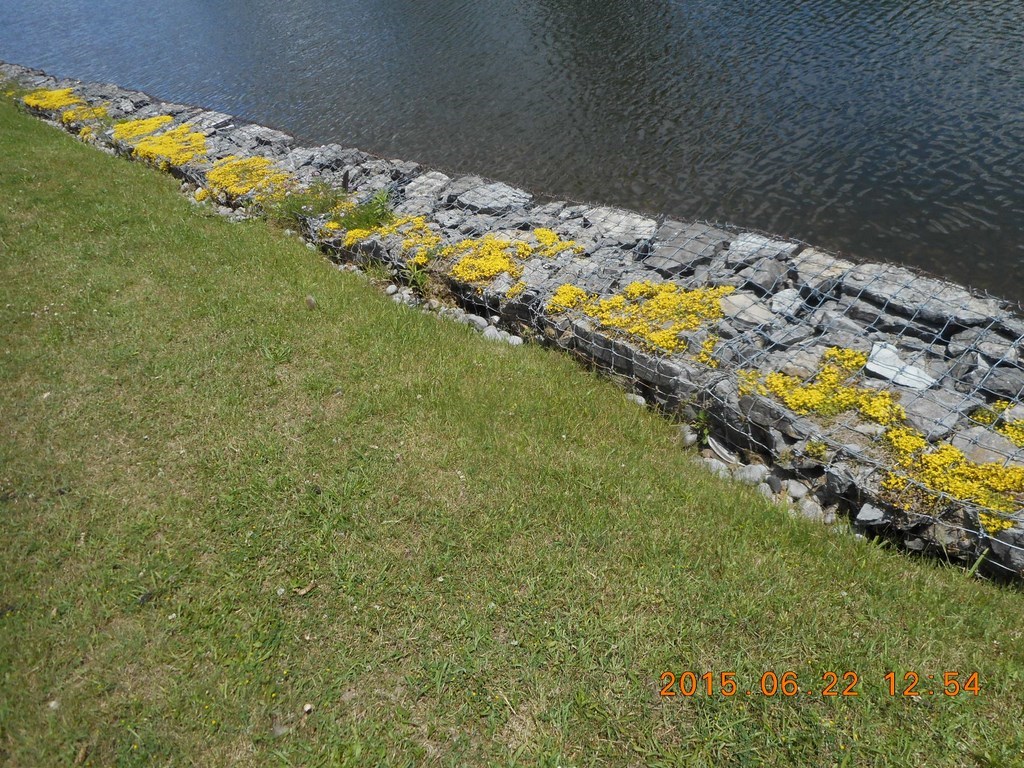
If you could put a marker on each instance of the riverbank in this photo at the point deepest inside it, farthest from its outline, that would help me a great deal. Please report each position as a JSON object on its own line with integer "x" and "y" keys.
{"x": 220, "y": 506}
{"x": 862, "y": 390}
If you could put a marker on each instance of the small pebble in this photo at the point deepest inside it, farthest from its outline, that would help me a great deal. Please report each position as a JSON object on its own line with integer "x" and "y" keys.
{"x": 310, "y": 302}
{"x": 391, "y": 290}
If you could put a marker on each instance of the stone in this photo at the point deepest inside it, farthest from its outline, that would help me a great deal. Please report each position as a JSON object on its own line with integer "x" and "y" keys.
{"x": 717, "y": 467}
{"x": 767, "y": 275}
{"x": 936, "y": 413}
{"x": 797, "y": 490}
{"x": 480, "y": 323}
{"x": 391, "y": 290}
{"x": 789, "y": 335}
{"x": 983, "y": 446}
{"x": 750, "y": 474}
{"x": 787, "y": 302}
{"x": 775, "y": 483}
{"x": 429, "y": 185}
{"x": 492, "y": 334}
{"x": 869, "y": 514}
{"x": 817, "y": 273}
{"x": 811, "y": 510}
{"x": 765, "y": 490}
{"x": 746, "y": 248}
{"x": 1008, "y": 548}
{"x": 635, "y": 399}
{"x": 679, "y": 247}
{"x": 927, "y": 299}
{"x": 746, "y": 309}
{"x": 494, "y": 199}
{"x": 514, "y": 341}
{"x": 884, "y": 361}
{"x": 623, "y": 228}
{"x": 993, "y": 346}
{"x": 687, "y": 436}
{"x": 1005, "y": 381}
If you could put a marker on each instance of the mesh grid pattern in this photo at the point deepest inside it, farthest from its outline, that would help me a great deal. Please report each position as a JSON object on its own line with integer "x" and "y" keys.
{"x": 916, "y": 432}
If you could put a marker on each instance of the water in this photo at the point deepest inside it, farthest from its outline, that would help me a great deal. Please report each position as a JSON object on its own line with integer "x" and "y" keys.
{"x": 889, "y": 130}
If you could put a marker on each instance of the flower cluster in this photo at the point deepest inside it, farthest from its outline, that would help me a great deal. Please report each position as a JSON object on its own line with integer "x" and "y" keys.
{"x": 550, "y": 244}
{"x": 832, "y": 391}
{"x": 127, "y": 130}
{"x": 54, "y": 99}
{"x": 924, "y": 474}
{"x": 480, "y": 261}
{"x": 517, "y": 288}
{"x": 172, "y": 148}
{"x": 992, "y": 416}
{"x": 706, "y": 355}
{"x": 83, "y": 114}
{"x": 652, "y": 314}
{"x": 419, "y": 241}
{"x": 236, "y": 177}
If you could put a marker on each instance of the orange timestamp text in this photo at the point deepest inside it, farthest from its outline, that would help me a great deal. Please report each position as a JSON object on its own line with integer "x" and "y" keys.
{"x": 909, "y": 684}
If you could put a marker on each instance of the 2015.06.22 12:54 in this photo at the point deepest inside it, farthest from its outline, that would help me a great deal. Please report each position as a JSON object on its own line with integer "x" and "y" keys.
{"x": 911, "y": 684}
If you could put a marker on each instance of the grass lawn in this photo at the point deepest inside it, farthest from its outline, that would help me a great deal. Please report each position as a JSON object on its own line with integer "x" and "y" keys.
{"x": 219, "y": 507}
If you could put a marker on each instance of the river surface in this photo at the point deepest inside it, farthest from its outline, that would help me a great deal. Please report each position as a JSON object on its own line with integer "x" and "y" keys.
{"x": 889, "y": 130}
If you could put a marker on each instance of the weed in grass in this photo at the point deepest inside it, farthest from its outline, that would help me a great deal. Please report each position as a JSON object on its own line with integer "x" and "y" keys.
{"x": 293, "y": 209}
{"x": 375, "y": 212}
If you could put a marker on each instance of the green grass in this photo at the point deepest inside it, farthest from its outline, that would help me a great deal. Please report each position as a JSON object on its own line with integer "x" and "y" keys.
{"x": 504, "y": 554}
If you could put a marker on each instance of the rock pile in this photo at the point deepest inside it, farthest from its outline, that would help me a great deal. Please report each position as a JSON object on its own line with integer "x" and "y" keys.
{"x": 862, "y": 389}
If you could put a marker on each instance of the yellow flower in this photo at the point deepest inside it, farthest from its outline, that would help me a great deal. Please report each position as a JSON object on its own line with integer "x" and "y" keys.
{"x": 239, "y": 176}
{"x": 173, "y": 147}
{"x": 133, "y": 129}
{"x": 57, "y": 98}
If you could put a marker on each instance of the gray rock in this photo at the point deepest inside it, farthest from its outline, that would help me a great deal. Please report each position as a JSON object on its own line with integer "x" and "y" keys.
{"x": 765, "y": 490}
{"x": 1008, "y": 548}
{"x": 1005, "y": 381}
{"x": 635, "y": 399}
{"x": 745, "y": 309}
{"x": 885, "y": 361}
{"x": 817, "y": 272}
{"x": 935, "y": 414}
{"x": 750, "y": 474}
{"x": 995, "y": 347}
{"x": 514, "y": 341}
{"x": 982, "y": 446}
{"x": 716, "y": 466}
{"x": 797, "y": 490}
{"x": 767, "y": 275}
{"x": 480, "y": 323}
{"x": 932, "y": 301}
{"x": 429, "y": 185}
{"x": 681, "y": 247}
{"x": 869, "y": 514}
{"x": 687, "y": 436}
{"x": 775, "y": 483}
{"x": 789, "y": 335}
{"x": 811, "y": 510}
{"x": 492, "y": 334}
{"x": 391, "y": 290}
{"x": 621, "y": 227}
{"x": 746, "y": 248}
{"x": 787, "y": 302}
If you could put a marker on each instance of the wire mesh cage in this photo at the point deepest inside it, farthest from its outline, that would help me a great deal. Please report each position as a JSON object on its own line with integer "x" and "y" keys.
{"x": 869, "y": 389}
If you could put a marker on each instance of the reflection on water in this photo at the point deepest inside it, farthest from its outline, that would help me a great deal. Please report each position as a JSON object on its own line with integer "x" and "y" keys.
{"x": 890, "y": 130}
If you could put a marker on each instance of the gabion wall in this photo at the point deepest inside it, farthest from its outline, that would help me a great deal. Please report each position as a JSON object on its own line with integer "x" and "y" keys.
{"x": 866, "y": 389}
